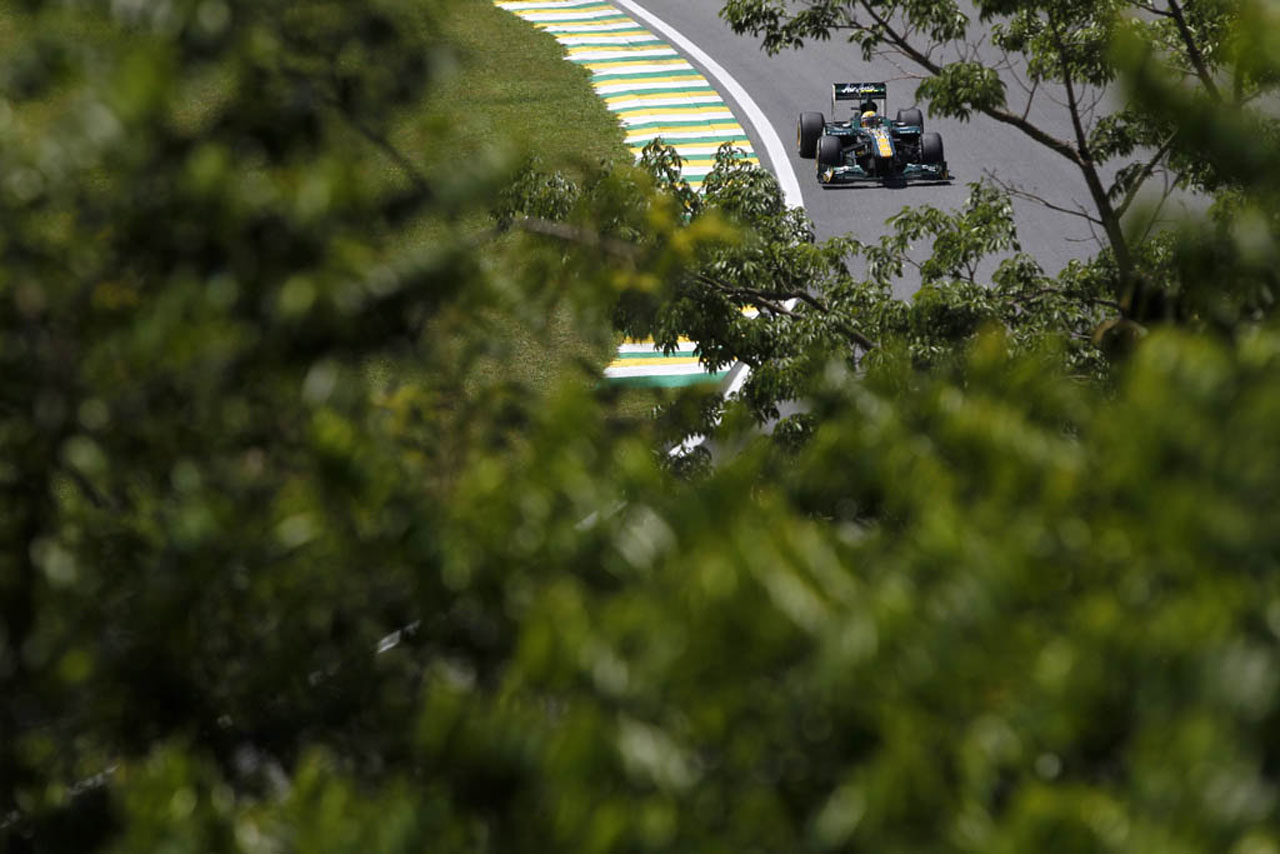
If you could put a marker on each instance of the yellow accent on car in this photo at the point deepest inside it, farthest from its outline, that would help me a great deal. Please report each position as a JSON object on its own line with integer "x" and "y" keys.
{"x": 882, "y": 142}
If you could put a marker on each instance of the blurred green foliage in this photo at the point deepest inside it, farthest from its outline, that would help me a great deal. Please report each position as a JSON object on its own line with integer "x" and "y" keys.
{"x": 291, "y": 567}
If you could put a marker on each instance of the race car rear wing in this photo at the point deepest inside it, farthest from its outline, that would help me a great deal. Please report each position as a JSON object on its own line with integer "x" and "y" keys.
{"x": 857, "y": 92}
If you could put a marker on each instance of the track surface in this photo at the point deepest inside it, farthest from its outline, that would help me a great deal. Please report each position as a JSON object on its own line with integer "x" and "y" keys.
{"x": 800, "y": 80}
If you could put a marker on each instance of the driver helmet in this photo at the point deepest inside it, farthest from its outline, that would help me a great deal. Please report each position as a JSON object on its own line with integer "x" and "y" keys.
{"x": 868, "y": 118}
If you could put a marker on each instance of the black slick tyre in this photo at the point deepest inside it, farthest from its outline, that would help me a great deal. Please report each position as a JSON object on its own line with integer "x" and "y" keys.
{"x": 931, "y": 148}
{"x": 912, "y": 116}
{"x": 808, "y": 131}
{"x": 830, "y": 152}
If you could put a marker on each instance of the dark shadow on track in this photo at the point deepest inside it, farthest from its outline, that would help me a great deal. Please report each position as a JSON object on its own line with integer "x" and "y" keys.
{"x": 888, "y": 184}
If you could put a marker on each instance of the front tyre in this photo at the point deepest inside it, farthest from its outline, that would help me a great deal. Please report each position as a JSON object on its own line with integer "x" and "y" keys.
{"x": 830, "y": 152}
{"x": 931, "y": 148}
{"x": 808, "y": 131}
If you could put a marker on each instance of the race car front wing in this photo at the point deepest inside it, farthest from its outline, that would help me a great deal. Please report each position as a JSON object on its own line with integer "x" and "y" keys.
{"x": 911, "y": 172}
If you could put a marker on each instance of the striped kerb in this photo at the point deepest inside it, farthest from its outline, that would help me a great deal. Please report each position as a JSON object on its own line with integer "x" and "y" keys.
{"x": 655, "y": 93}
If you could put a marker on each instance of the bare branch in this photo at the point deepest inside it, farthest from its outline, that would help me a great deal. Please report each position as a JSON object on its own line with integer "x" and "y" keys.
{"x": 1165, "y": 194}
{"x": 1031, "y": 96}
{"x": 1073, "y": 105}
{"x": 1019, "y": 192}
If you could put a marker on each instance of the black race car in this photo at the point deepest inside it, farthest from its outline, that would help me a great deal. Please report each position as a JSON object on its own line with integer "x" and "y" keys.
{"x": 870, "y": 146}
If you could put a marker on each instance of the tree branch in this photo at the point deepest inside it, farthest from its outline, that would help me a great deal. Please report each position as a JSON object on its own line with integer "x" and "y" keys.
{"x": 1110, "y": 221}
{"x": 769, "y": 300}
{"x": 1000, "y": 114}
{"x": 1152, "y": 9}
{"x": 1015, "y": 190}
{"x": 384, "y": 145}
{"x": 1031, "y": 96}
{"x": 583, "y": 236}
{"x": 1023, "y": 299}
{"x": 1132, "y": 192}
{"x": 96, "y": 498}
{"x": 1193, "y": 51}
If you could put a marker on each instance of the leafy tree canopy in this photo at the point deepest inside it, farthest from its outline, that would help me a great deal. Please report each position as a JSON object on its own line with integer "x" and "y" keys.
{"x": 1061, "y": 56}
{"x": 288, "y": 571}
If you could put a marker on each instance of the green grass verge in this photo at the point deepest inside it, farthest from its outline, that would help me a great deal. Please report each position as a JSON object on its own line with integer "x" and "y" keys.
{"x": 513, "y": 95}
{"x": 513, "y": 87}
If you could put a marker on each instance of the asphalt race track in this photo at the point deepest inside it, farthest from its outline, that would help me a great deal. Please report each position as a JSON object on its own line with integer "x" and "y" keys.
{"x": 784, "y": 85}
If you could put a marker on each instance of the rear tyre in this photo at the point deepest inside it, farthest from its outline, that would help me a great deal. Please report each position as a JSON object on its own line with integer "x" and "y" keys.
{"x": 830, "y": 152}
{"x": 912, "y": 116}
{"x": 931, "y": 148}
{"x": 808, "y": 130}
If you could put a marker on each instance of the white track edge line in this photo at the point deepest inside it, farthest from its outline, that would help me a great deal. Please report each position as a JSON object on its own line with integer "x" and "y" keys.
{"x": 777, "y": 152}
{"x": 777, "y": 156}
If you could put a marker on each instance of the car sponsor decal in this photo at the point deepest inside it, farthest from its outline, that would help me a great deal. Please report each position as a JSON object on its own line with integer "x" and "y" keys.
{"x": 883, "y": 145}
{"x": 655, "y": 92}
{"x": 849, "y": 91}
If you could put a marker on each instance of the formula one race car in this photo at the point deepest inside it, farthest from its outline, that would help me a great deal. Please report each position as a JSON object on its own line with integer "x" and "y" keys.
{"x": 870, "y": 147}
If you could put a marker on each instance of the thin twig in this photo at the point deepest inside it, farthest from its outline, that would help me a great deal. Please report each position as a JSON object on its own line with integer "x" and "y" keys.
{"x": 582, "y": 236}
{"x": 769, "y": 300}
{"x": 1150, "y": 166}
{"x": 1015, "y": 190}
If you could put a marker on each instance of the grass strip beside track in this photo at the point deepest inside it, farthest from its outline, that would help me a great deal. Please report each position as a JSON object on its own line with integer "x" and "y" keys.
{"x": 514, "y": 92}
{"x": 656, "y": 93}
